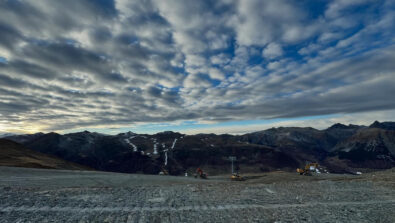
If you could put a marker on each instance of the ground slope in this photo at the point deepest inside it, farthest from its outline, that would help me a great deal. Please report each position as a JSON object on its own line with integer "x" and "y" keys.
{"x": 16, "y": 155}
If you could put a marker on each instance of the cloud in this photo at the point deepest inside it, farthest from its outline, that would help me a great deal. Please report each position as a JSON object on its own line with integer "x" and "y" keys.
{"x": 336, "y": 7}
{"x": 261, "y": 22}
{"x": 272, "y": 50}
{"x": 79, "y": 64}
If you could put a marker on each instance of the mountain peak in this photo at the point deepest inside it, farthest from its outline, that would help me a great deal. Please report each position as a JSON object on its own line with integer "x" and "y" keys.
{"x": 338, "y": 126}
{"x": 383, "y": 125}
{"x": 128, "y": 133}
{"x": 342, "y": 126}
{"x": 167, "y": 133}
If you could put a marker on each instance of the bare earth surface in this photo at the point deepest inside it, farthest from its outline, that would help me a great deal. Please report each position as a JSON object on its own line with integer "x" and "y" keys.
{"x": 34, "y": 195}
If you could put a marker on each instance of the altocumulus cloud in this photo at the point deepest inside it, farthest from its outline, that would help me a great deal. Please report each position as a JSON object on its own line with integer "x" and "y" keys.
{"x": 86, "y": 63}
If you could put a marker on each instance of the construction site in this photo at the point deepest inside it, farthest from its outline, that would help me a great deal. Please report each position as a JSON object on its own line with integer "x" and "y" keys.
{"x": 39, "y": 195}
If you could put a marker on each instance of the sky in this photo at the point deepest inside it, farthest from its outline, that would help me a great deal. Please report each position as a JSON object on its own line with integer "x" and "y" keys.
{"x": 221, "y": 66}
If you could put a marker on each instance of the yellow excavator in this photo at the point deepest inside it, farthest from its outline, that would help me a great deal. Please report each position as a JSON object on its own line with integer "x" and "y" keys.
{"x": 163, "y": 171}
{"x": 236, "y": 177}
{"x": 307, "y": 169}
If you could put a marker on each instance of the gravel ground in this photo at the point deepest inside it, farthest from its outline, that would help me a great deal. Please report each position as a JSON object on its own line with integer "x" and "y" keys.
{"x": 32, "y": 195}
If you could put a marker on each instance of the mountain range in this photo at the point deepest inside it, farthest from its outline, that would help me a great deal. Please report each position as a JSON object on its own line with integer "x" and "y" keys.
{"x": 339, "y": 148}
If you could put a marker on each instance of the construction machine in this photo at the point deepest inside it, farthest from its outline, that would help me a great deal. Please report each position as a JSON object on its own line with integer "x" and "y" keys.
{"x": 236, "y": 177}
{"x": 307, "y": 169}
{"x": 163, "y": 171}
{"x": 200, "y": 173}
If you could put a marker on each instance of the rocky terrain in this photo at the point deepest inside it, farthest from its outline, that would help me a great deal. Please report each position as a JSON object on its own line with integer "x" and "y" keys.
{"x": 33, "y": 195}
{"x": 340, "y": 148}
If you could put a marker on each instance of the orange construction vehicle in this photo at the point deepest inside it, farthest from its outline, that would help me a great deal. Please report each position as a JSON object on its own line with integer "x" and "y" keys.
{"x": 200, "y": 173}
{"x": 310, "y": 167}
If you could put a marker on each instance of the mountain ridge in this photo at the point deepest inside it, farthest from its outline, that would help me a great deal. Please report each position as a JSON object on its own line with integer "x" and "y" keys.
{"x": 342, "y": 148}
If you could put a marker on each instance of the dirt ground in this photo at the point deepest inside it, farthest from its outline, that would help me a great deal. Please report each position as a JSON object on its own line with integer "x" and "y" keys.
{"x": 34, "y": 195}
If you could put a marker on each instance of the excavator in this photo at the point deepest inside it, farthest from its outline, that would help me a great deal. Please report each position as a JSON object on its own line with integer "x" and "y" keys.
{"x": 307, "y": 169}
{"x": 163, "y": 171}
{"x": 200, "y": 173}
{"x": 236, "y": 177}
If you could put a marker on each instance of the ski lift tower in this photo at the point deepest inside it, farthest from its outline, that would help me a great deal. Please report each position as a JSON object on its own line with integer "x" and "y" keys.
{"x": 232, "y": 159}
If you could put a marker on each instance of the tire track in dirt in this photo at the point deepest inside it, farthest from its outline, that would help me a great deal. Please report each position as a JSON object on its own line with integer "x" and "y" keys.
{"x": 189, "y": 208}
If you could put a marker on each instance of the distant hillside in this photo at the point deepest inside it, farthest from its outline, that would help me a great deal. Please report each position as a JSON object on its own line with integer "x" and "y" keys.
{"x": 369, "y": 147}
{"x": 23, "y": 138}
{"x": 340, "y": 148}
{"x": 16, "y": 155}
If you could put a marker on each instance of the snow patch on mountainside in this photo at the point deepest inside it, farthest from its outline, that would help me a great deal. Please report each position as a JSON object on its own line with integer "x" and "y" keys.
{"x": 131, "y": 144}
{"x": 165, "y": 157}
{"x": 155, "y": 147}
{"x": 174, "y": 143}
